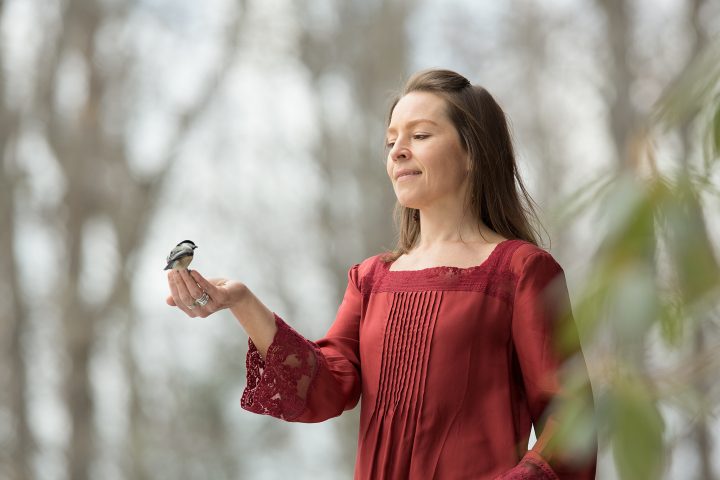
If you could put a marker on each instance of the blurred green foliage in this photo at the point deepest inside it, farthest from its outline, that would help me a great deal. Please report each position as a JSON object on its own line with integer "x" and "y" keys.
{"x": 654, "y": 275}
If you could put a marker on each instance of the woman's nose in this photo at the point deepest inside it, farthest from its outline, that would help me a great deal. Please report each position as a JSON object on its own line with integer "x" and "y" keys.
{"x": 399, "y": 152}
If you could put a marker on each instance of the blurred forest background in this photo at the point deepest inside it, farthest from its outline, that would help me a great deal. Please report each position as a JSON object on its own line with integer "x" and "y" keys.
{"x": 255, "y": 128}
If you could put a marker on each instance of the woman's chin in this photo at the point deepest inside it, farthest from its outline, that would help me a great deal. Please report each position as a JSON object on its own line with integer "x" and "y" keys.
{"x": 408, "y": 201}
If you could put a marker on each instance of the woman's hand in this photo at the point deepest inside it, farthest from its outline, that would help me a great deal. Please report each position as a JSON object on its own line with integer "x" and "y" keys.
{"x": 188, "y": 286}
{"x": 257, "y": 320}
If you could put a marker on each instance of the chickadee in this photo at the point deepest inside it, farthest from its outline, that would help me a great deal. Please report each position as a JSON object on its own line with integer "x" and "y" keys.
{"x": 181, "y": 256}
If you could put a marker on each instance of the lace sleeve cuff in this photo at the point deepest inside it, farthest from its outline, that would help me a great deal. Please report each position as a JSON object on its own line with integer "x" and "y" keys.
{"x": 278, "y": 385}
{"x": 531, "y": 467}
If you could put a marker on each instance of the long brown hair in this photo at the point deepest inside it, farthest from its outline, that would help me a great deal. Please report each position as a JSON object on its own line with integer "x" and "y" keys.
{"x": 496, "y": 189}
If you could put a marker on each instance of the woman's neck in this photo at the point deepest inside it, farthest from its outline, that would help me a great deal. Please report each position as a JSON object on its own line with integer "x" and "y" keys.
{"x": 443, "y": 227}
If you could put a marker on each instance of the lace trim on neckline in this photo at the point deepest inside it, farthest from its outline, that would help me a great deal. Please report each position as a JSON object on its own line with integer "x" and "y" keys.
{"x": 491, "y": 276}
{"x": 457, "y": 270}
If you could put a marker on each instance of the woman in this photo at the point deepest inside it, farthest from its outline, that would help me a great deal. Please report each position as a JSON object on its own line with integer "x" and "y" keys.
{"x": 447, "y": 341}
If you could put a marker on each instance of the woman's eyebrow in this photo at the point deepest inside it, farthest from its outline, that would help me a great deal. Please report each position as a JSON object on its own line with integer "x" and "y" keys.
{"x": 412, "y": 123}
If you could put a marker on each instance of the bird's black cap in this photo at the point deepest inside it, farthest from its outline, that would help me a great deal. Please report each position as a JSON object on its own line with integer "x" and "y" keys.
{"x": 187, "y": 241}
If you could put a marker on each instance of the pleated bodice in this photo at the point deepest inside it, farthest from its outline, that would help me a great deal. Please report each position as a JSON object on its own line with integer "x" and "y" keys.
{"x": 417, "y": 342}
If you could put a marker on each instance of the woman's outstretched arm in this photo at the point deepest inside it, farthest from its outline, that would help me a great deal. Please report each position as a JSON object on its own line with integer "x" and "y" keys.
{"x": 288, "y": 376}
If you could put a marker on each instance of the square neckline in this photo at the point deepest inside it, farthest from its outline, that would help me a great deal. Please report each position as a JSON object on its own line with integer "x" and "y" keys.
{"x": 495, "y": 251}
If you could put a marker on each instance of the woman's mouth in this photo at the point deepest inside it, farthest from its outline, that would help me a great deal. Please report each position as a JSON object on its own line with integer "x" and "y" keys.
{"x": 404, "y": 175}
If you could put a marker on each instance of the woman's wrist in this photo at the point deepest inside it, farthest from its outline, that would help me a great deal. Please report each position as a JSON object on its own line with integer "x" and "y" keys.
{"x": 256, "y": 319}
{"x": 239, "y": 296}
{"x": 244, "y": 304}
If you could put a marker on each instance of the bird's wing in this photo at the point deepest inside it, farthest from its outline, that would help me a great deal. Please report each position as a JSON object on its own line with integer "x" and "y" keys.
{"x": 178, "y": 253}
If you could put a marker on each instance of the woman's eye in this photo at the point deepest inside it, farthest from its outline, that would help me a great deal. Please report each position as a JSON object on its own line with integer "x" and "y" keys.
{"x": 389, "y": 144}
{"x": 420, "y": 136}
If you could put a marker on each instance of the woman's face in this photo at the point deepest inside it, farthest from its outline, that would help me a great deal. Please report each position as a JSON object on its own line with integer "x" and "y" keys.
{"x": 426, "y": 161}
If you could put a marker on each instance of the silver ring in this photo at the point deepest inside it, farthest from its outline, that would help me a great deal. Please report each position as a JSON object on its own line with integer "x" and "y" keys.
{"x": 202, "y": 301}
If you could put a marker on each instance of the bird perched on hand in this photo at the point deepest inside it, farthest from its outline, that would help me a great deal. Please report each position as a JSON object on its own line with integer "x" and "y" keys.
{"x": 181, "y": 256}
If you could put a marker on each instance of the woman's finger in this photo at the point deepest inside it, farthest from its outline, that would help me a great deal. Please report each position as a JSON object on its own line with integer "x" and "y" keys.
{"x": 198, "y": 293}
{"x": 185, "y": 296}
{"x": 192, "y": 286}
{"x": 174, "y": 299}
{"x": 182, "y": 297}
{"x": 204, "y": 284}
{"x": 215, "y": 295}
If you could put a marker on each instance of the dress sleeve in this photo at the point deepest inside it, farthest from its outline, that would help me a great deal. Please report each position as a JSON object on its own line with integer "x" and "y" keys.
{"x": 541, "y": 312}
{"x": 304, "y": 381}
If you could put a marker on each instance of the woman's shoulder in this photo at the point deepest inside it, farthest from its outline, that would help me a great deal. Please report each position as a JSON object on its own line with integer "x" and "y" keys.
{"x": 365, "y": 273}
{"x": 372, "y": 263}
{"x": 524, "y": 255}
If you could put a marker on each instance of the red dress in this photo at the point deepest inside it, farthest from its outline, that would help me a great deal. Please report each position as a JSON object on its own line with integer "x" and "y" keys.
{"x": 451, "y": 365}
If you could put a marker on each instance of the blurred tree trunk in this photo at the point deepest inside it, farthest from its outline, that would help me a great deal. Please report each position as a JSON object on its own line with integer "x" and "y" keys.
{"x": 356, "y": 211}
{"x": 13, "y": 313}
{"x": 85, "y": 154}
{"x": 623, "y": 115}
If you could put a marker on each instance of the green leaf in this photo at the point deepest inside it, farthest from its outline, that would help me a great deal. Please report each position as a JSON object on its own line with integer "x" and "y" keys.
{"x": 575, "y": 428}
{"x": 692, "y": 254}
{"x": 672, "y": 321}
{"x": 637, "y": 432}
